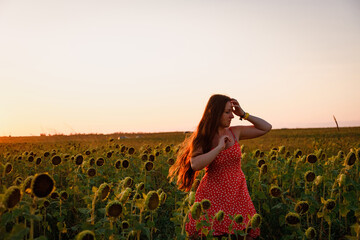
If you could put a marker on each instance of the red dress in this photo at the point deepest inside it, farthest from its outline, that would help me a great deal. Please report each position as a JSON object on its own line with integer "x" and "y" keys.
{"x": 224, "y": 184}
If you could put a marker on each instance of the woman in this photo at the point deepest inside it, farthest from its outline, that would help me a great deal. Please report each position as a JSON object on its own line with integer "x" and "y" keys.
{"x": 214, "y": 146}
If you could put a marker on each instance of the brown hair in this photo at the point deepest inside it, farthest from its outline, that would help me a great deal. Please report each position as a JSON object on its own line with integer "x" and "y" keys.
{"x": 201, "y": 139}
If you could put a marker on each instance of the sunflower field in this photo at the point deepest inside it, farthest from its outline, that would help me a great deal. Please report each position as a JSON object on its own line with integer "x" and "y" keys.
{"x": 304, "y": 183}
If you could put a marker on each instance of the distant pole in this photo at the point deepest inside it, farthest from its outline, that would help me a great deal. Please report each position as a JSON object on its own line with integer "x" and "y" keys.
{"x": 337, "y": 125}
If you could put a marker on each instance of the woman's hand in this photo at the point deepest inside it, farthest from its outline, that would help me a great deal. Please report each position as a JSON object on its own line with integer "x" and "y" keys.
{"x": 237, "y": 110}
{"x": 222, "y": 142}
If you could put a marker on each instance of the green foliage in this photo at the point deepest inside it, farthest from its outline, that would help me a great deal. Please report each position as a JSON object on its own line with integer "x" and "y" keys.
{"x": 83, "y": 210}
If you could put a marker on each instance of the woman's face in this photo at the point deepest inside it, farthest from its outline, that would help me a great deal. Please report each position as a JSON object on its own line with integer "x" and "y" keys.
{"x": 227, "y": 115}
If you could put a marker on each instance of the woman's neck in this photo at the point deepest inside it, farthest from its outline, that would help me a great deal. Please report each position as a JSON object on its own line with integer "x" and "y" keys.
{"x": 221, "y": 131}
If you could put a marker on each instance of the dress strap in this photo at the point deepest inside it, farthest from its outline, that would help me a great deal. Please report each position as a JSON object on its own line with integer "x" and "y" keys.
{"x": 233, "y": 134}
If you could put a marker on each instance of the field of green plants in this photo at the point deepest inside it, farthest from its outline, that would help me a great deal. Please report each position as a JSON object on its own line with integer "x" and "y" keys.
{"x": 304, "y": 183}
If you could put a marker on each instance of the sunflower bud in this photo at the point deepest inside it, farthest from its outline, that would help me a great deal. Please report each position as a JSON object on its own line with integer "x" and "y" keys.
{"x": 196, "y": 210}
{"x": 163, "y": 197}
{"x": 341, "y": 179}
{"x": 195, "y": 184}
{"x": 318, "y": 180}
{"x": 310, "y": 233}
{"x": 282, "y": 149}
{"x": 124, "y": 196}
{"x": 220, "y": 215}
{"x": 191, "y": 197}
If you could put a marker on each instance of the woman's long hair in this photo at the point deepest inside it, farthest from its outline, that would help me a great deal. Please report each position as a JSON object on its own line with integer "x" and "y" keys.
{"x": 201, "y": 140}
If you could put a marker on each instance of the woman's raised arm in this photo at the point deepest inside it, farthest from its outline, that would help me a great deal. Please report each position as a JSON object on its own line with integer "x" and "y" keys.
{"x": 259, "y": 128}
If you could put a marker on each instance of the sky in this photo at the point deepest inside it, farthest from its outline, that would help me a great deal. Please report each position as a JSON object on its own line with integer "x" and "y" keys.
{"x": 91, "y": 66}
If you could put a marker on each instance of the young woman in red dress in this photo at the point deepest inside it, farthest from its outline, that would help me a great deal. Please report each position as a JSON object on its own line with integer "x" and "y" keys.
{"x": 214, "y": 146}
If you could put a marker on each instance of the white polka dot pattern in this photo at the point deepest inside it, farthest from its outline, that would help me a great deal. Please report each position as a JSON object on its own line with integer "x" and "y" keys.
{"x": 224, "y": 184}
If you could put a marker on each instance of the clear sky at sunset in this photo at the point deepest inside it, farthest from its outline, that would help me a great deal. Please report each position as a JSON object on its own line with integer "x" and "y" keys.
{"x": 87, "y": 66}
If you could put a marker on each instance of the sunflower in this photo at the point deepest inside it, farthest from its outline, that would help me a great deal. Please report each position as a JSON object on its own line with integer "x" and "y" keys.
{"x": 298, "y": 153}
{"x": 292, "y": 219}
{"x": 79, "y": 159}
{"x": 86, "y": 235}
{"x": 144, "y": 157}
{"x": 163, "y": 197}
{"x": 171, "y": 161}
{"x": 131, "y": 151}
{"x": 309, "y": 176}
{"x": 196, "y": 210}
{"x": 275, "y": 191}
{"x": 125, "y": 163}
{"x": 152, "y": 200}
{"x": 263, "y": 169}
{"x": 103, "y": 191}
{"x": 205, "y": 204}
{"x": 54, "y": 195}
{"x": 140, "y": 186}
{"x": 124, "y": 195}
{"x": 256, "y": 220}
{"x": 311, "y": 158}
{"x": 26, "y": 187}
{"x": 100, "y": 162}
{"x": 191, "y": 197}
{"x": 350, "y": 159}
{"x": 128, "y": 182}
{"x": 310, "y": 233}
{"x": 195, "y": 185}
{"x": 114, "y": 209}
{"x": 260, "y": 162}
{"x": 56, "y": 160}
{"x": 220, "y": 215}
{"x": 118, "y": 164}
{"x": 149, "y": 165}
{"x": 91, "y": 172}
{"x": 302, "y": 207}
{"x": 12, "y": 197}
{"x": 64, "y": 195}
{"x": 125, "y": 225}
{"x": 330, "y": 204}
{"x": 238, "y": 219}
{"x": 8, "y": 168}
{"x": 42, "y": 185}
{"x": 318, "y": 180}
